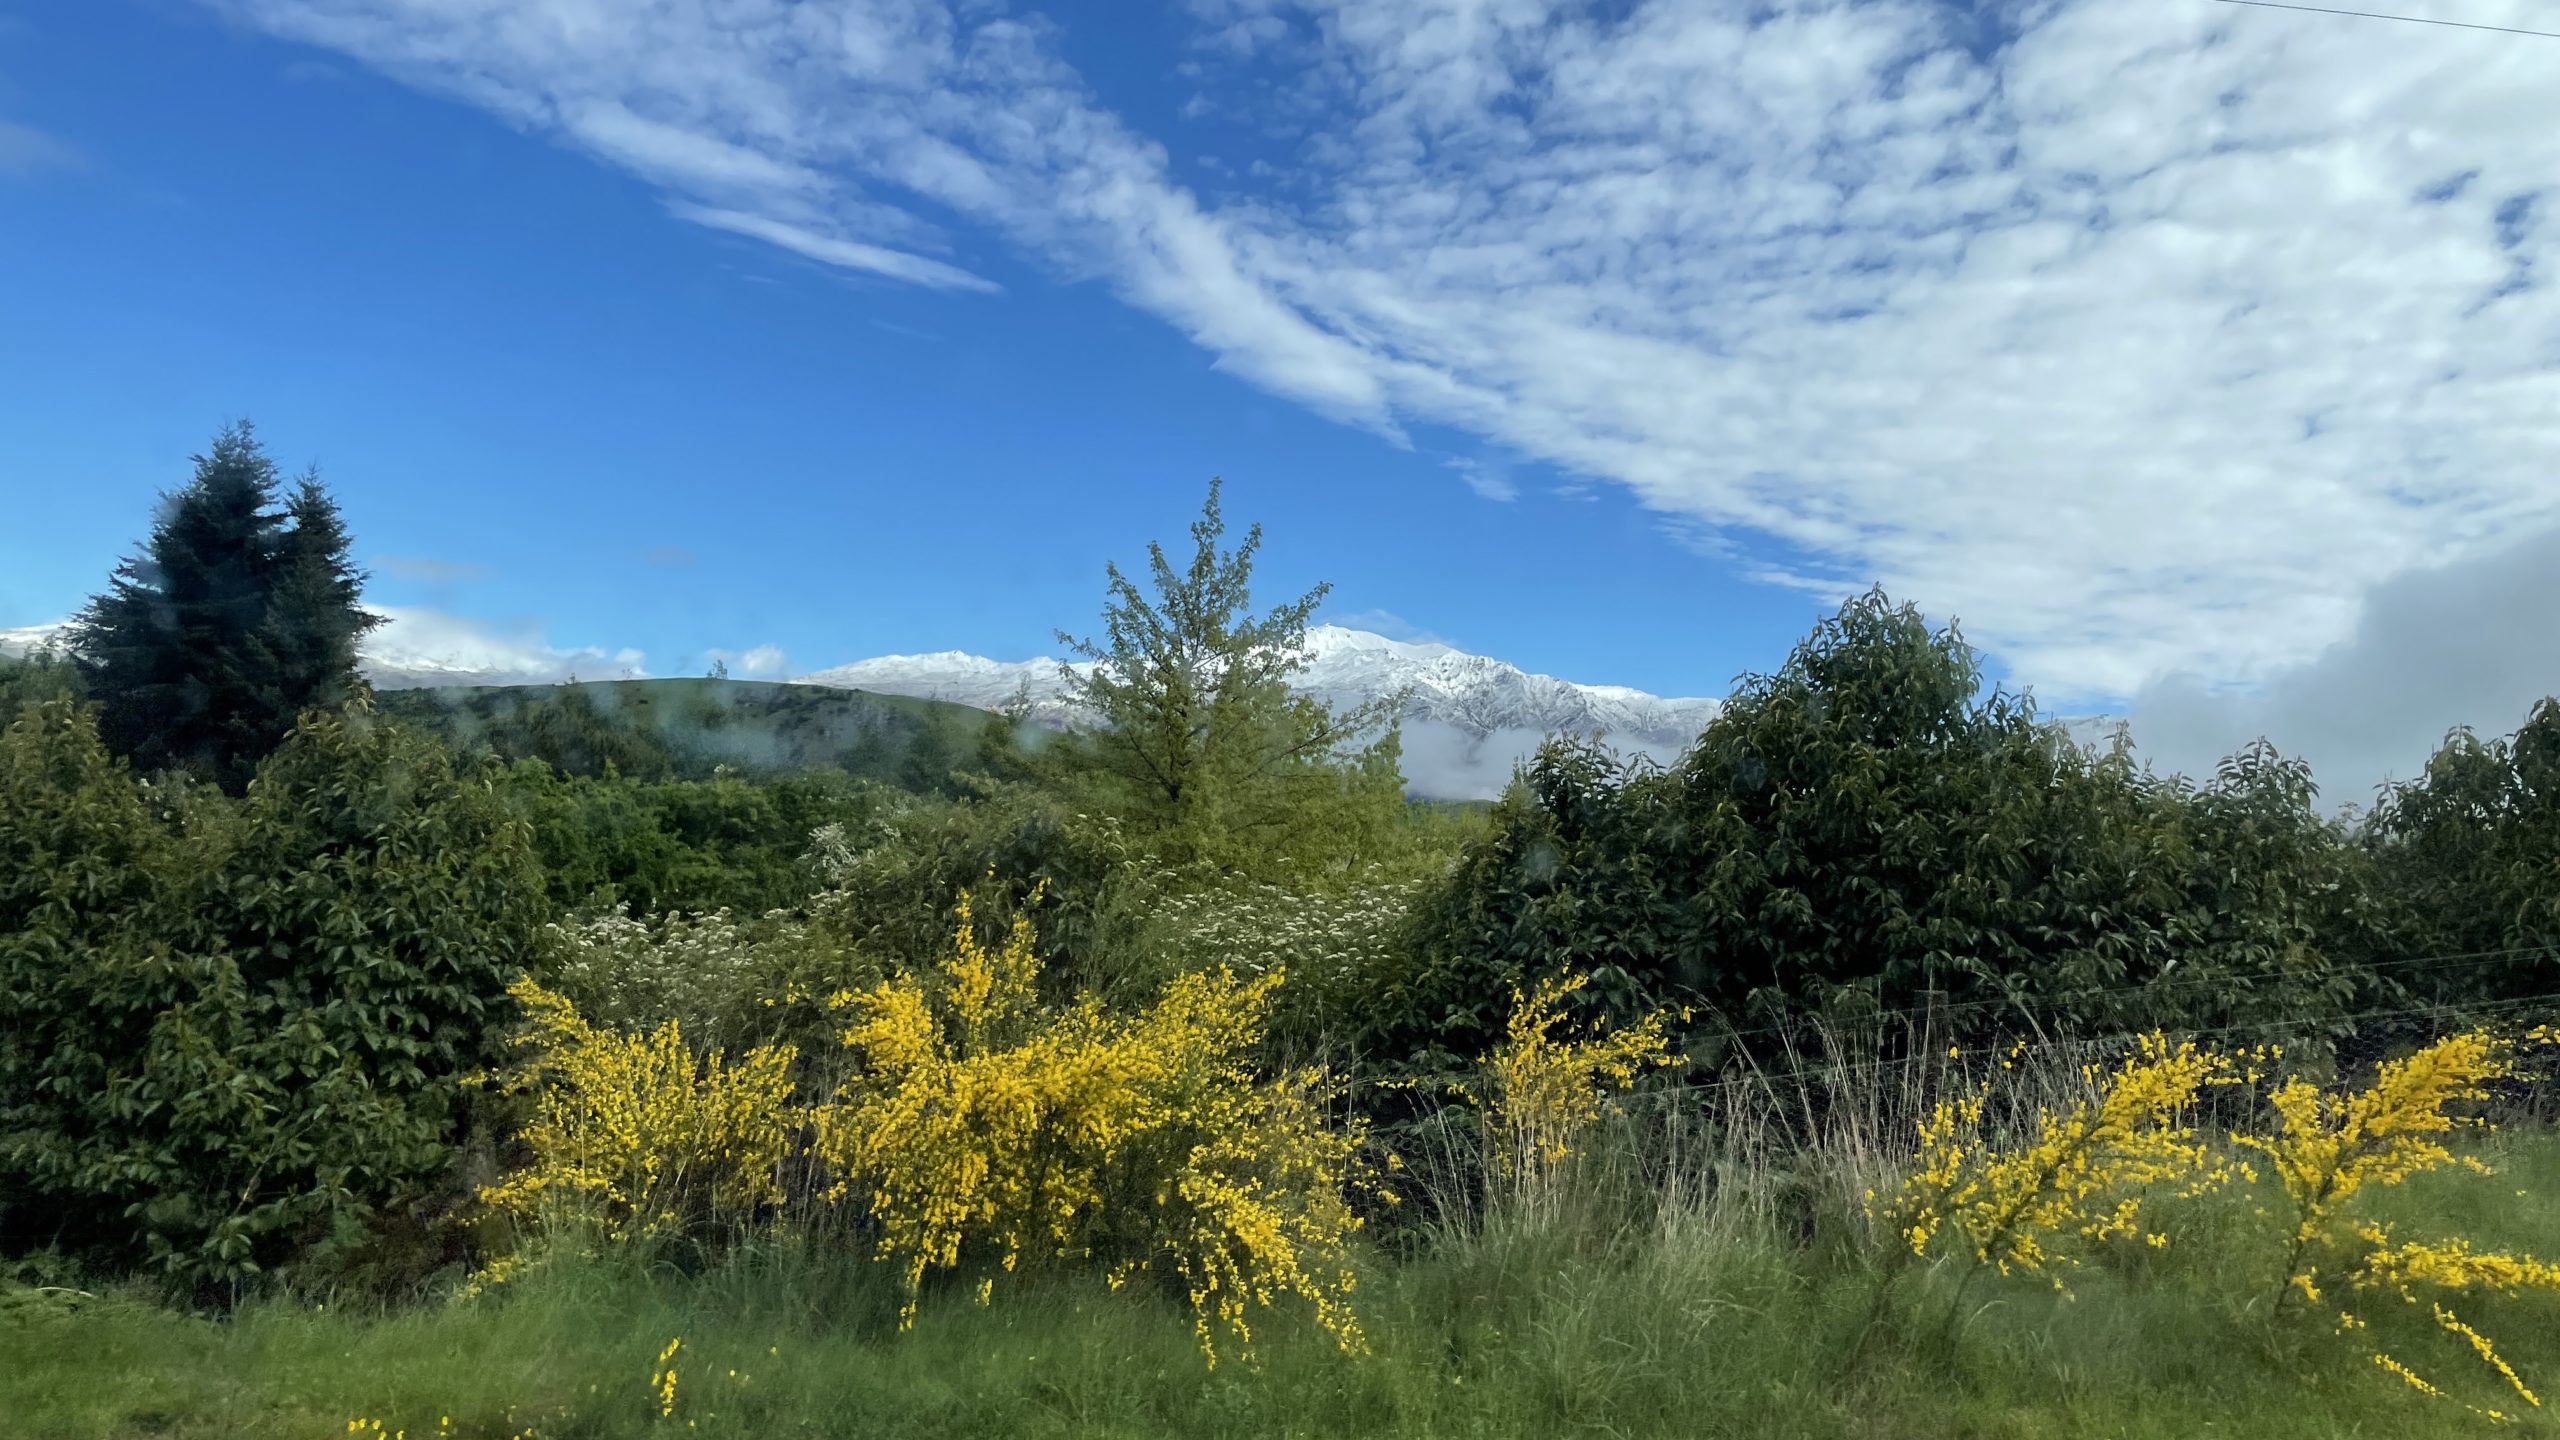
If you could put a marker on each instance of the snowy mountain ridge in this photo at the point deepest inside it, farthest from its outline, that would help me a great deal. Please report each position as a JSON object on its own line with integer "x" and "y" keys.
{"x": 1467, "y": 718}
{"x": 1474, "y": 695}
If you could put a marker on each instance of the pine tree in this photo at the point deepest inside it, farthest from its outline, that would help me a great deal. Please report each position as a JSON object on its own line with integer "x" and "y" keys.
{"x": 314, "y": 612}
{"x": 237, "y": 615}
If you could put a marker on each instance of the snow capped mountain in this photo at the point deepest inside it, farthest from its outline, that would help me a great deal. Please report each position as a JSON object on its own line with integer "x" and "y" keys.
{"x": 1471, "y": 694}
{"x": 957, "y": 676}
{"x": 1467, "y": 719}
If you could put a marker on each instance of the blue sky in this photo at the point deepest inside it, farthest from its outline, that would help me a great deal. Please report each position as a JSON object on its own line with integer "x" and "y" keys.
{"x": 514, "y": 367}
{"x": 2182, "y": 350}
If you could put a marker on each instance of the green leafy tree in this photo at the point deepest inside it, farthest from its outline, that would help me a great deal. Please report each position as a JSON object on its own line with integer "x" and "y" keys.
{"x": 236, "y": 616}
{"x": 1197, "y": 740}
{"x": 1869, "y": 828}
{"x": 231, "y": 1031}
{"x": 1003, "y": 750}
{"x": 933, "y": 754}
{"x": 2468, "y": 856}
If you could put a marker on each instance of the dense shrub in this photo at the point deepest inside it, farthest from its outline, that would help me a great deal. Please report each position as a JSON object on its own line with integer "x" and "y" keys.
{"x": 726, "y": 982}
{"x": 229, "y": 1030}
{"x": 1341, "y": 940}
{"x": 728, "y": 842}
{"x": 1867, "y": 828}
{"x": 2468, "y": 857}
{"x": 896, "y": 878}
{"x": 987, "y": 1131}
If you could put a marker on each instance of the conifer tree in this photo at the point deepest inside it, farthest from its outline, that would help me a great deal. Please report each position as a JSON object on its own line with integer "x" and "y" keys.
{"x": 238, "y": 614}
{"x": 315, "y": 610}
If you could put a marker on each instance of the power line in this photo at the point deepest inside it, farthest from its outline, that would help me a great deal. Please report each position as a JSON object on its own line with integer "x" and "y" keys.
{"x": 2410, "y": 19}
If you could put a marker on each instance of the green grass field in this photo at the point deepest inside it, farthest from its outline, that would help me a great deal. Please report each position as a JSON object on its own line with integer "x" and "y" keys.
{"x": 1699, "y": 1323}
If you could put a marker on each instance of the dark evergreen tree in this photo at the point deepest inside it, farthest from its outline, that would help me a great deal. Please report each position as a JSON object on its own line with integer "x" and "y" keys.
{"x": 314, "y": 613}
{"x": 238, "y": 614}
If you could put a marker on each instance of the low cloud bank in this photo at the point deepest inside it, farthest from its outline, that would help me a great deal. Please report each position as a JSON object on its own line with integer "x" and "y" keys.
{"x": 2472, "y": 643}
{"x": 1443, "y": 762}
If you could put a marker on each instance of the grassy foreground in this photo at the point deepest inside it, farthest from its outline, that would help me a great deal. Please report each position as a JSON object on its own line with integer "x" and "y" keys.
{"x": 1692, "y": 1323}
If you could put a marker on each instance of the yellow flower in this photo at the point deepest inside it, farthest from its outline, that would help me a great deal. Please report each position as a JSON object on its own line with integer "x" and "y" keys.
{"x": 1546, "y": 1090}
{"x": 987, "y": 1129}
{"x": 2078, "y": 1175}
{"x": 641, "y": 1130}
{"x": 2331, "y": 1149}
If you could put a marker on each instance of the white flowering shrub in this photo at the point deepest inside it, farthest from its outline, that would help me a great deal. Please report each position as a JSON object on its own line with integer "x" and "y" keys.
{"x": 728, "y": 983}
{"x": 1340, "y": 944}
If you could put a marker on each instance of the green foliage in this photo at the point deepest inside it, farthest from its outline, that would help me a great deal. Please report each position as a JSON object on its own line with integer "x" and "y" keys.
{"x": 1199, "y": 744}
{"x": 895, "y": 879}
{"x": 27, "y": 680}
{"x": 729, "y": 842}
{"x": 683, "y": 728}
{"x": 2469, "y": 861}
{"x": 233, "y": 620}
{"x": 931, "y": 761}
{"x": 1867, "y": 828}
{"x": 228, "y": 1030}
{"x": 728, "y": 983}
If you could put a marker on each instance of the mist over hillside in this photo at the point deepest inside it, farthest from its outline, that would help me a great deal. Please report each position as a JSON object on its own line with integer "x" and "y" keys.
{"x": 1468, "y": 720}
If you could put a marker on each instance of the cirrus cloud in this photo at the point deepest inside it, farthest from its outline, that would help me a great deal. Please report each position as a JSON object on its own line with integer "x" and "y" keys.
{"x": 2146, "y": 338}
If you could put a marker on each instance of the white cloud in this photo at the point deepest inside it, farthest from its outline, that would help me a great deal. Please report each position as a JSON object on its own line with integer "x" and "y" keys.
{"x": 1387, "y": 623}
{"x": 428, "y": 570}
{"x": 2454, "y": 645}
{"x": 2141, "y": 337}
{"x": 416, "y": 646}
{"x": 850, "y": 254}
{"x": 432, "y": 647}
{"x": 762, "y": 661}
{"x": 1488, "y": 479}
{"x": 25, "y": 150}
{"x": 1448, "y": 763}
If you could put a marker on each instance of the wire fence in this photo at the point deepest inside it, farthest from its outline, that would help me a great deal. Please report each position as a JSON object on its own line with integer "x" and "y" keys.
{"x": 2062, "y": 1006}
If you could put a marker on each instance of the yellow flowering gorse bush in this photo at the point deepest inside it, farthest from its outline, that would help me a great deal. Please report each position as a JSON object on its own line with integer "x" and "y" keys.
{"x": 1547, "y": 1086}
{"x": 2332, "y": 1148}
{"x": 2082, "y": 1174}
{"x": 639, "y": 1131}
{"x": 2078, "y": 1175}
{"x": 986, "y": 1130}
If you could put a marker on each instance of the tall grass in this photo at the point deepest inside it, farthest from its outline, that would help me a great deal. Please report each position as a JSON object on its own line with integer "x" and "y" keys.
{"x": 1712, "y": 1271}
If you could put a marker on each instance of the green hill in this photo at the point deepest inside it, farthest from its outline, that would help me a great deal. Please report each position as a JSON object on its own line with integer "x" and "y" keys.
{"x": 683, "y": 727}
